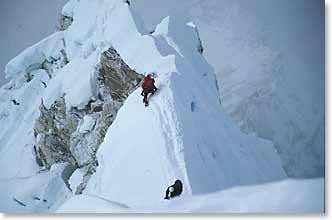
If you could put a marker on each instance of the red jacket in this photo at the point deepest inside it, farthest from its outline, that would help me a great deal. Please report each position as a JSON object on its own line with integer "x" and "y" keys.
{"x": 148, "y": 82}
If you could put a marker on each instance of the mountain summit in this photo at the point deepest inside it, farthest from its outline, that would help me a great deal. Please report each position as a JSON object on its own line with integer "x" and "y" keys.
{"x": 78, "y": 128}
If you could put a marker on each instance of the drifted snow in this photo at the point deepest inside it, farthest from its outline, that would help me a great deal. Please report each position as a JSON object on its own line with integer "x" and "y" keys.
{"x": 288, "y": 196}
{"x": 74, "y": 80}
{"x": 148, "y": 147}
{"x": 154, "y": 146}
{"x": 38, "y": 193}
{"x": 68, "y": 9}
{"x": 47, "y": 49}
{"x": 17, "y": 158}
{"x": 91, "y": 204}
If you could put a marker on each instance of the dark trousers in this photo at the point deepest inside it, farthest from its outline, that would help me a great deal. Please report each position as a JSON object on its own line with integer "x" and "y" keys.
{"x": 146, "y": 91}
{"x": 176, "y": 192}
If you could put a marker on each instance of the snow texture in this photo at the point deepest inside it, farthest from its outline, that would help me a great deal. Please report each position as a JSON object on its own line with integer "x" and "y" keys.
{"x": 270, "y": 69}
{"x": 288, "y": 196}
{"x": 204, "y": 157}
{"x": 38, "y": 193}
{"x": 145, "y": 147}
{"x": 33, "y": 57}
{"x": 87, "y": 124}
{"x": 75, "y": 179}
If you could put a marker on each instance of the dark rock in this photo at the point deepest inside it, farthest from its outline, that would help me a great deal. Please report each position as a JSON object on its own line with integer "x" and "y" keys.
{"x": 64, "y": 22}
{"x": 58, "y": 133}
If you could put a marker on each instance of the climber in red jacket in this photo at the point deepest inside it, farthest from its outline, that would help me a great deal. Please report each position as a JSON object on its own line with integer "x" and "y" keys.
{"x": 148, "y": 87}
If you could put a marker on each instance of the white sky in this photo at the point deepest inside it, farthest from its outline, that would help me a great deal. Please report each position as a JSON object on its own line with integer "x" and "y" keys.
{"x": 295, "y": 25}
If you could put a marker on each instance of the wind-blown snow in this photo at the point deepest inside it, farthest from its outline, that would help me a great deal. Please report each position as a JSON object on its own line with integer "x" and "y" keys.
{"x": 270, "y": 69}
{"x": 47, "y": 49}
{"x": 74, "y": 80}
{"x": 205, "y": 157}
{"x": 16, "y": 133}
{"x": 183, "y": 134}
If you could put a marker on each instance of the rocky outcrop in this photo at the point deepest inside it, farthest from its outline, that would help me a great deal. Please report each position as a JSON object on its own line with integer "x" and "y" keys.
{"x": 74, "y": 135}
{"x": 64, "y": 22}
{"x": 52, "y": 65}
{"x": 52, "y": 131}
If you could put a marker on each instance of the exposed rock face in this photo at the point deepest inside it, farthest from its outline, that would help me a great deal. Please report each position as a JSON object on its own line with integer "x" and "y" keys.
{"x": 52, "y": 131}
{"x": 64, "y": 22}
{"x": 116, "y": 79}
{"x": 74, "y": 135}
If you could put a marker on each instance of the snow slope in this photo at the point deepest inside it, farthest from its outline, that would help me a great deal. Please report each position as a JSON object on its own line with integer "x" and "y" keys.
{"x": 183, "y": 134}
{"x": 39, "y": 193}
{"x": 82, "y": 204}
{"x": 287, "y": 196}
{"x": 270, "y": 69}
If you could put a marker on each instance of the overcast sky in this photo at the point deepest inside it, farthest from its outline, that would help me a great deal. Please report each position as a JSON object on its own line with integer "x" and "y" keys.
{"x": 24, "y": 23}
{"x": 297, "y": 25}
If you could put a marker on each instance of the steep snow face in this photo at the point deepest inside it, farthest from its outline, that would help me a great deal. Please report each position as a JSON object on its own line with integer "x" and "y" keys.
{"x": 183, "y": 134}
{"x": 271, "y": 78}
{"x": 45, "y": 104}
{"x": 307, "y": 196}
{"x": 29, "y": 72}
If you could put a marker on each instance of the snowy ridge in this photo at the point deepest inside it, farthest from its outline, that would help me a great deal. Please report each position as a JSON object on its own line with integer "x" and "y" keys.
{"x": 183, "y": 134}
{"x": 271, "y": 80}
{"x": 166, "y": 132}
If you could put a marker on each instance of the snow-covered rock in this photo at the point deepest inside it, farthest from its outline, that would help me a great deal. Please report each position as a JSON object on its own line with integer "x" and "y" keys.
{"x": 47, "y": 99}
{"x": 73, "y": 134}
{"x": 86, "y": 124}
{"x": 64, "y": 22}
{"x": 91, "y": 116}
{"x": 170, "y": 139}
{"x": 76, "y": 179}
{"x": 48, "y": 52}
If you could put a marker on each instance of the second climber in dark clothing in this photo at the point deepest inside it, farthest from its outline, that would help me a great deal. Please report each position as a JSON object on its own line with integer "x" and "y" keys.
{"x": 174, "y": 190}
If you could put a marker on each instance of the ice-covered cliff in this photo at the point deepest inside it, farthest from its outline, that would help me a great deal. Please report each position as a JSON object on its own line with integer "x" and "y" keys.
{"x": 72, "y": 112}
